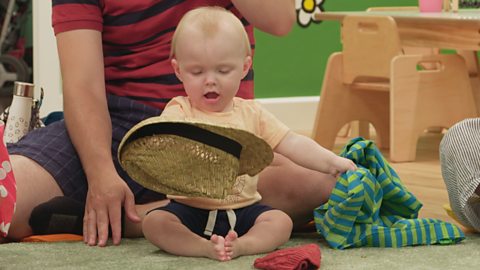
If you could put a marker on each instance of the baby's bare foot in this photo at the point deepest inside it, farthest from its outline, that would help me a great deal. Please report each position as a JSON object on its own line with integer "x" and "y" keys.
{"x": 217, "y": 250}
{"x": 232, "y": 247}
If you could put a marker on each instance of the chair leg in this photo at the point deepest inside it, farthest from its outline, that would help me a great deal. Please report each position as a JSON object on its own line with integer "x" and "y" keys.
{"x": 403, "y": 136}
{"x": 364, "y": 129}
{"x": 358, "y": 129}
{"x": 475, "y": 83}
{"x": 471, "y": 60}
{"x": 327, "y": 123}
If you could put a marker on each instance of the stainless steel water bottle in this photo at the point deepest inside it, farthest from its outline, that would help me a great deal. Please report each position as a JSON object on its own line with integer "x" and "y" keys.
{"x": 20, "y": 112}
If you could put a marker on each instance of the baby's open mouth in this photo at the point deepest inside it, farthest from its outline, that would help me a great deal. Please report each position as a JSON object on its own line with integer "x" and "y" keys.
{"x": 211, "y": 95}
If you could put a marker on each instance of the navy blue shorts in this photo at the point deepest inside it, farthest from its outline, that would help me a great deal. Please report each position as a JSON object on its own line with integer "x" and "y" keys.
{"x": 52, "y": 149}
{"x": 196, "y": 219}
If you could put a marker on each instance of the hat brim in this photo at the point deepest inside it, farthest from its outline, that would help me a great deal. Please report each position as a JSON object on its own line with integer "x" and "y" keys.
{"x": 147, "y": 151}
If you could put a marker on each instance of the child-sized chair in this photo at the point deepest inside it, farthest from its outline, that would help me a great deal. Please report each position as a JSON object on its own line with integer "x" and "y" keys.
{"x": 372, "y": 80}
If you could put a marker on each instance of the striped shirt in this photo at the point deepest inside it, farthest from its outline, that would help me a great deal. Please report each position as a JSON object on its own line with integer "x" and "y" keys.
{"x": 460, "y": 163}
{"x": 136, "y": 43}
{"x": 371, "y": 207}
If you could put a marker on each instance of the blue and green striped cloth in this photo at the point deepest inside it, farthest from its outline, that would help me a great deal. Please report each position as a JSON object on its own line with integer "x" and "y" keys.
{"x": 371, "y": 207}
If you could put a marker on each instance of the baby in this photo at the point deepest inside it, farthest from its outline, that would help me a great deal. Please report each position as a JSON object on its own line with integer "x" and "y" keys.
{"x": 211, "y": 55}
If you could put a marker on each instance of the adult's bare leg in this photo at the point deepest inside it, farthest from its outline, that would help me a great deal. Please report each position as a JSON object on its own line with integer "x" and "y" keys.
{"x": 34, "y": 186}
{"x": 293, "y": 189}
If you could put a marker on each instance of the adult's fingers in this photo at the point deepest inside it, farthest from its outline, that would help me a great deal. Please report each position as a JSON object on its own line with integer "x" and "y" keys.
{"x": 129, "y": 206}
{"x": 91, "y": 225}
{"x": 114, "y": 212}
{"x": 102, "y": 226}
{"x": 85, "y": 226}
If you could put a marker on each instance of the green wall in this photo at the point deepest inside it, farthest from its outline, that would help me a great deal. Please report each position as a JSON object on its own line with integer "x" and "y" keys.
{"x": 294, "y": 65}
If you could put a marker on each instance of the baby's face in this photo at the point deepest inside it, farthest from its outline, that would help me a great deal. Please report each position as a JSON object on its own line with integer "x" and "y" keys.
{"x": 211, "y": 68}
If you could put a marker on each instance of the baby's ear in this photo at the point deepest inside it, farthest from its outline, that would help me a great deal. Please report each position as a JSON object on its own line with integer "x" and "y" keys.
{"x": 176, "y": 68}
{"x": 247, "y": 63}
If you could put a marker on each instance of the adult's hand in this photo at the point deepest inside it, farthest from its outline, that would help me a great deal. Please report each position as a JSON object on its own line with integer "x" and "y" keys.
{"x": 105, "y": 199}
{"x": 89, "y": 125}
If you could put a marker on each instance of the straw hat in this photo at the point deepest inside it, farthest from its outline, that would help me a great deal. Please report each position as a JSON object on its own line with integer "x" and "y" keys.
{"x": 191, "y": 159}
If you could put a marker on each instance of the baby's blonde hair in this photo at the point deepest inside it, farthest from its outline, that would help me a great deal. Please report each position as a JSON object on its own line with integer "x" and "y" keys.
{"x": 208, "y": 20}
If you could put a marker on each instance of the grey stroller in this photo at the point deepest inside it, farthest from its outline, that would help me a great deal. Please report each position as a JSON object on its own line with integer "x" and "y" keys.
{"x": 12, "y": 65}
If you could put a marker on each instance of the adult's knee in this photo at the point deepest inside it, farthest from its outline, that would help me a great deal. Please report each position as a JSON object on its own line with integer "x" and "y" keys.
{"x": 34, "y": 186}
{"x": 460, "y": 164}
{"x": 461, "y": 145}
{"x": 464, "y": 134}
{"x": 460, "y": 156}
{"x": 285, "y": 180}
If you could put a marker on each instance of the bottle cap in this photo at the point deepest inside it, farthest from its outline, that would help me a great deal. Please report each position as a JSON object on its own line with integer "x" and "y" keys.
{"x": 23, "y": 89}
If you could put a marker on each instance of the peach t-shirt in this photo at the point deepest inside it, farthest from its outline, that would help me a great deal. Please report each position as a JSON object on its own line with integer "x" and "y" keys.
{"x": 247, "y": 115}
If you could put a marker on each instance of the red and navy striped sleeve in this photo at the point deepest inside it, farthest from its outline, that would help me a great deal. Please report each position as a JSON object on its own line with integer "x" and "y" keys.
{"x": 136, "y": 42}
{"x": 76, "y": 14}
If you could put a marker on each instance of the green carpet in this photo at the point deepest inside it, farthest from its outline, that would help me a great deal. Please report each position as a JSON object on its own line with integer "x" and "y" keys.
{"x": 140, "y": 254}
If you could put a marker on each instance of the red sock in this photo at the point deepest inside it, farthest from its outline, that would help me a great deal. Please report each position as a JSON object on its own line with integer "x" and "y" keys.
{"x": 305, "y": 257}
{"x": 8, "y": 188}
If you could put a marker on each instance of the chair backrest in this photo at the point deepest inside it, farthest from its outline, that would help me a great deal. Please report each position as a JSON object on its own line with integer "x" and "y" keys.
{"x": 471, "y": 57}
{"x": 471, "y": 60}
{"x": 369, "y": 45}
{"x": 408, "y": 49}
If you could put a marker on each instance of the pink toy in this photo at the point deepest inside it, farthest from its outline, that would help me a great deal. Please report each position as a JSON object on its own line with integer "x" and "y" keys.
{"x": 430, "y": 5}
{"x": 7, "y": 188}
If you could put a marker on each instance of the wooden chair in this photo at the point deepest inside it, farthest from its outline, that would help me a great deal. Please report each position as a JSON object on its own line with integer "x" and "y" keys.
{"x": 361, "y": 128}
{"x": 407, "y": 49}
{"x": 372, "y": 80}
{"x": 471, "y": 60}
{"x": 471, "y": 57}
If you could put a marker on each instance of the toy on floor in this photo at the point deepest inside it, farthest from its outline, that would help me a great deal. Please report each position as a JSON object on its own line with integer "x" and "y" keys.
{"x": 61, "y": 237}
{"x": 304, "y": 257}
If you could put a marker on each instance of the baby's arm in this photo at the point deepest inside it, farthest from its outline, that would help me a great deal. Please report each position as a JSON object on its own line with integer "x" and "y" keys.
{"x": 309, "y": 154}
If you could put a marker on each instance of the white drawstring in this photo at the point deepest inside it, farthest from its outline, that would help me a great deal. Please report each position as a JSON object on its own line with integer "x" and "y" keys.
{"x": 212, "y": 218}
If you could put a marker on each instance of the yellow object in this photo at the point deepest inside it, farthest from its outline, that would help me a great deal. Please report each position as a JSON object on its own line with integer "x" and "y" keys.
{"x": 450, "y": 212}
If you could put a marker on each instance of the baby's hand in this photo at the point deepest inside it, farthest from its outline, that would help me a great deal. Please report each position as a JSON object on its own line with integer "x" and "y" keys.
{"x": 341, "y": 165}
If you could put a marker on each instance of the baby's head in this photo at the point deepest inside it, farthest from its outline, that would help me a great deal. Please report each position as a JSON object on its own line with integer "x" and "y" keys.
{"x": 209, "y": 22}
{"x": 211, "y": 54}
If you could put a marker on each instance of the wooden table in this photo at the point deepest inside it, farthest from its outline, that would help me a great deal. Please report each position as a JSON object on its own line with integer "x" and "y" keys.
{"x": 459, "y": 31}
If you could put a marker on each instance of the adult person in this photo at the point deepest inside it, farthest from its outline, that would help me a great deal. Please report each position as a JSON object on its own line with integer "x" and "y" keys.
{"x": 460, "y": 163}
{"x": 121, "y": 48}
